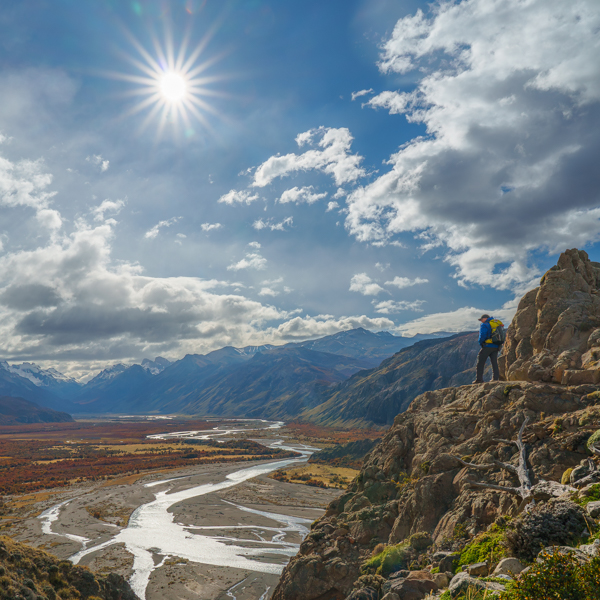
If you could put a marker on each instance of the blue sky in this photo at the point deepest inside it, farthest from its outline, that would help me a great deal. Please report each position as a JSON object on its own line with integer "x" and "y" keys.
{"x": 378, "y": 163}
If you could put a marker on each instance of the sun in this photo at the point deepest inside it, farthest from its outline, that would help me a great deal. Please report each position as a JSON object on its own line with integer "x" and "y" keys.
{"x": 171, "y": 85}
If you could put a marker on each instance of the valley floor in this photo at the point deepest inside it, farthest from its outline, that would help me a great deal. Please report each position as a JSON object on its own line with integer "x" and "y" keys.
{"x": 267, "y": 516}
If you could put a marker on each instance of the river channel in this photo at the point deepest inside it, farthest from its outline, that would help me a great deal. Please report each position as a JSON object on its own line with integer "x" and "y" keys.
{"x": 154, "y": 532}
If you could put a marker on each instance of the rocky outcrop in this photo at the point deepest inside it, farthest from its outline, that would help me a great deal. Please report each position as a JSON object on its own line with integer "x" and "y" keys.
{"x": 411, "y": 482}
{"x": 555, "y": 334}
{"x": 31, "y": 574}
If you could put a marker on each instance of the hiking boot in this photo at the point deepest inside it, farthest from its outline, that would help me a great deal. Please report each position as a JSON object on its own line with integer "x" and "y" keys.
{"x": 475, "y": 382}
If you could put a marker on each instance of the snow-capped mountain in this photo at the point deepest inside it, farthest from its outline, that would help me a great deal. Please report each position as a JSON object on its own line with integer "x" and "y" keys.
{"x": 107, "y": 374}
{"x": 37, "y": 375}
{"x": 156, "y": 366}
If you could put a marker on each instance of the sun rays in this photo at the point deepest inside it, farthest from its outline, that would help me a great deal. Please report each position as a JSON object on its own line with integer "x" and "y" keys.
{"x": 171, "y": 85}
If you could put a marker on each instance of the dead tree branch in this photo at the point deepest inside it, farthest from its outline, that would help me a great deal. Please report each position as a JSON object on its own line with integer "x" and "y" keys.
{"x": 523, "y": 491}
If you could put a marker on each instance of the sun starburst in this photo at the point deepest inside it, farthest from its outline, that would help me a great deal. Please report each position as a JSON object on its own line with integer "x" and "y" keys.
{"x": 171, "y": 84}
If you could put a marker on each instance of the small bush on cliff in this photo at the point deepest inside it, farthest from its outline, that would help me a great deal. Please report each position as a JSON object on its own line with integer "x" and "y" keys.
{"x": 566, "y": 477}
{"x": 558, "y": 577}
{"x": 593, "y": 440}
{"x": 490, "y": 546}
{"x": 391, "y": 559}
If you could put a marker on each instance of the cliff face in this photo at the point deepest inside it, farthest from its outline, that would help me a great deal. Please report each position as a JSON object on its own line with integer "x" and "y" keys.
{"x": 412, "y": 481}
{"x": 555, "y": 335}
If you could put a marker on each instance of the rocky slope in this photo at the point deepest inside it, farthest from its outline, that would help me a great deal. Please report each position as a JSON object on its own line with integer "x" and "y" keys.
{"x": 373, "y": 398}
{"x": 413, "y": 485}
{"x": 30, "y": 574}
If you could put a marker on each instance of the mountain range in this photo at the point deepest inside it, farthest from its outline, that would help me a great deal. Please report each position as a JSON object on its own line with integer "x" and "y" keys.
{"x": 324, "y": 380}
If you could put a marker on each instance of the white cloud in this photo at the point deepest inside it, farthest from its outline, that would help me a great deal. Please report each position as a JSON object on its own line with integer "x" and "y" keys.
{"x": 462, "y": 319}
{"x": 356, "y": 95}
{"x": 332, "y": 206}
{"x": 509, "y": 92}
{"x": 24, "y": 183}
{"x": 49, "y": 218}
{"x": 298, "y": 195}
{"x": 306, "y": 327}
{"x": 152, "y": 233}
{"x": 332, "y": 157}
{"x": 252, "y": 260}
{"x": 382, "y": 266}
{"x": 404, "y": 282}
{"x": 210, "y": 226}
{"x": 269, "y": 224}
{"x": 96, "y": 159}
{"x": 388, "y": 307}
{"x": 254, "y": 245}
{"x": 238, "y": 197}
{"x": 107, "y": 206}
{"x": 266, "y": 291}
{"x": 364, "y": 285}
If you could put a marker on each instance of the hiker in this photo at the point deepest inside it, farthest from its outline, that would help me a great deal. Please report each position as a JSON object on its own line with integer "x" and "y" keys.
{"x": 491, "y": 337}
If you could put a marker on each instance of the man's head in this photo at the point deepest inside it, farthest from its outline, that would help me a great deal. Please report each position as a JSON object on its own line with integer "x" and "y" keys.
{"x": 484, "y": 318}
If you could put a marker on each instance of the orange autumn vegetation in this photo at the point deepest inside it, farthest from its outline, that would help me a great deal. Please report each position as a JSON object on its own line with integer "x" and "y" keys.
{"x": 102, "y": 450}
{"x": 330, "y": 435}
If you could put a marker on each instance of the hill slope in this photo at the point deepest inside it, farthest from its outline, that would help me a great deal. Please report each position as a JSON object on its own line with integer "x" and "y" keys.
{"x": 373, "y": 398}
{"x": 17, "y": 410}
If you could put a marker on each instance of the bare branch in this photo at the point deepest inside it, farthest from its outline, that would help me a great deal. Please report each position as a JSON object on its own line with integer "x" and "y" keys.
{"x": 522, "y": 471}
{"x": 595, "y": 450}
{"x": 486, "y": 466}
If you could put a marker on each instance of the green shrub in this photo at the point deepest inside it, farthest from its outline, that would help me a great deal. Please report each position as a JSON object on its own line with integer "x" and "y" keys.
{"x": 593, "y": 495}
{"x": 489, "y": 546}
{"x": 393, "y": 558}
{"x": 558, "y": 577}
{"x": 566, "y": 477}
{"x": 593, "y": 440}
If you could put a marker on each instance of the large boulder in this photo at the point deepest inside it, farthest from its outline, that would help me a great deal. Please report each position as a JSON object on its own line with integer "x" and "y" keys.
{"x": 555, "y": 334}
{"x": 557, "y": 523}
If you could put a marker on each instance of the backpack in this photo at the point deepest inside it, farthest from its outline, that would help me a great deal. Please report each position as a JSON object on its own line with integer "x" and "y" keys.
{"x": 498, "y": 332}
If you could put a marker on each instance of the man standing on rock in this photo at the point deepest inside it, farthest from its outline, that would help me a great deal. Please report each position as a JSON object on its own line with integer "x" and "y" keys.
{"x": 488, "y": 349}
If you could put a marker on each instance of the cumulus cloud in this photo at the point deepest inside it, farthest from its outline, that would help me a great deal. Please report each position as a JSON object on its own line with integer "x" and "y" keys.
{"x": 107, "y": 206}
{"x": 360, "y": 93}
{"x": 238, "y": 197}
{"x": 24, "y": 183}
{"x": 364, "y": 285}
{"x": 267, "y": 291}
{"x": 96, "y": 159}
{"x": 273, "y": 226}
{"x": 462, "y": 319}
{"x": 509, "y": 92}
{"x": 152, "y": 233}
{"x": 210, "y": 226}
{"x": 332, "y": 206}
{"x": 404, "y": 282}
{"x": 69, "y": 300}
{"x": 331, "y": 156}
{"x": 388, "y": 307}
{"x": 303, "y": 194}
{"x": 252, "y": 260}
{"x": 306, "y": 327}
